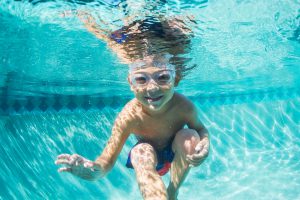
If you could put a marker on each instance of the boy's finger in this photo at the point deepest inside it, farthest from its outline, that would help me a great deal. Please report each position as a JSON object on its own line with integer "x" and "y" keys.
{"x": 65, "y": 169}
{"x": 78, "y": 162}
{"x": 190, "y": 160}
{"x": 62, "y": 161}
{"x": 194, "y": 156}
{"x": 64, "y": 156}
{"x": 202, "y": 153}
{"x": 195, "y": 162}
{"x": 195, "y": 159}
{"x": 199, "y": 147}
{"x": 74, "y": 159}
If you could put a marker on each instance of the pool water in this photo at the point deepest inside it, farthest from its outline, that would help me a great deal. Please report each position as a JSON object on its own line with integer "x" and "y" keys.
{"x": 254, "y": 154}
{"x": 61, "y": 89}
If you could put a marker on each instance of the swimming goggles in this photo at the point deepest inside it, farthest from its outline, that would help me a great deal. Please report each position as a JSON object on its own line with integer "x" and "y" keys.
{"x": 162, "y": 78}
{"x": 142, "y": 64}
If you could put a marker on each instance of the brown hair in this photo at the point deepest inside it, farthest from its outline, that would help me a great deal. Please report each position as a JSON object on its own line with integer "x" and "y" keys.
{"x": 152, "y": 36}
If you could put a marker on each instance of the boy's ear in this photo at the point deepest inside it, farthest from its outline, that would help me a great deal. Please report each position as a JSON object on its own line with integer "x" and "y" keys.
{"x": 130, "y": 84}
{"x": 128, "y": 80}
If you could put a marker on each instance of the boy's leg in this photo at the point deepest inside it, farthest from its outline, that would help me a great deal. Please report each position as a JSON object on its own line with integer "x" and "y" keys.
{"x": 143, "y": 159}
{"x": 184, "y": 144}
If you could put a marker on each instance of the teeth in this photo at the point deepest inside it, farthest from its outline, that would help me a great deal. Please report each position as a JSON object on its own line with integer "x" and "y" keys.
{"x": 153, "y": 99}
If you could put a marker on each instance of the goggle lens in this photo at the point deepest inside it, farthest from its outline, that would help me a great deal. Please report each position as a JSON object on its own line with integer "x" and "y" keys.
{"x": 140, "y": 79}
{"x": 164, "y": 78}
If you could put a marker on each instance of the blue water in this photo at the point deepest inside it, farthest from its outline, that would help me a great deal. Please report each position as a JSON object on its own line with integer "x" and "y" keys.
{"x": 61, "y": 89}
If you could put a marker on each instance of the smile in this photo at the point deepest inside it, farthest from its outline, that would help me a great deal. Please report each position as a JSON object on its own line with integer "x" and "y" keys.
{"x": 153, "y": 99}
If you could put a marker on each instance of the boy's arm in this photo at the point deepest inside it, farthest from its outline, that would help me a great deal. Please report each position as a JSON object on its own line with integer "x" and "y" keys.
{"x": 92, "y": 170}
{"x": 194, "y": 122}
{"x": 120, "y": 133}
{"x": 202, "y": 148}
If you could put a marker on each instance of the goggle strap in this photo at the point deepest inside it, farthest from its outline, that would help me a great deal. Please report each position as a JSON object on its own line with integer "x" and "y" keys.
{"x": 142, "y": 65}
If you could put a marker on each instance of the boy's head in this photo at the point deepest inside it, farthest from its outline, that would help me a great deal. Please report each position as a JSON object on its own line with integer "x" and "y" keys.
{"x": 153, "y": 36}
{"x": 152, "y": 81}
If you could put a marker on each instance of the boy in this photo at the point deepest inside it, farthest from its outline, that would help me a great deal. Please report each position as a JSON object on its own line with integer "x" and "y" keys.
{"x": 156, "y": 116}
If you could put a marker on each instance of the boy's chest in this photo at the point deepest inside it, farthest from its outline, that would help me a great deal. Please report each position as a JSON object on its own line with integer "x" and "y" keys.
{"x": 160, "y": 128}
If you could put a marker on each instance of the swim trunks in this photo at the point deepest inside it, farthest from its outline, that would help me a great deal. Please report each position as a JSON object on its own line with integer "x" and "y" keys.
{"x": 164, "y": 159}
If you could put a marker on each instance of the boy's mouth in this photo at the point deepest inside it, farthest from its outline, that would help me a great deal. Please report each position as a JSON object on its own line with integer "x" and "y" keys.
{"x": 153, "y": 99}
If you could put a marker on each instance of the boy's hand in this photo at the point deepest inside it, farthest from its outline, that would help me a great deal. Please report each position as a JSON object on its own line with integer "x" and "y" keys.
{"x": 201, "y": 152}
{"x": 78, "y": 165}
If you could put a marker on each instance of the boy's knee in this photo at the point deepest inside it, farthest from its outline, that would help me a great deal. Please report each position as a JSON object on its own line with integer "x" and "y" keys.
{"x": 186, "y": 140}
{"x": 143, "y": 156}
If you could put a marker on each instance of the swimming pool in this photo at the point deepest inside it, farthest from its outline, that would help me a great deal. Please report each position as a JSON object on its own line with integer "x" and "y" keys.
{"x": 61, "y": 89}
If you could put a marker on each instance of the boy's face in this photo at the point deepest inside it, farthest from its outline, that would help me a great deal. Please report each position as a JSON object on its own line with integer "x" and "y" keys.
{"x": 152, "y": 86}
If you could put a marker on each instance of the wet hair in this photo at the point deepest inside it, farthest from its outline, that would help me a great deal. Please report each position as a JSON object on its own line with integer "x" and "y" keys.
{"x": 154, "y": 37}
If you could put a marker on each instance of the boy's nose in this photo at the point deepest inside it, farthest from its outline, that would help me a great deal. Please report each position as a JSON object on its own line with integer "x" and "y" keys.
{"x": 152, "y": 86}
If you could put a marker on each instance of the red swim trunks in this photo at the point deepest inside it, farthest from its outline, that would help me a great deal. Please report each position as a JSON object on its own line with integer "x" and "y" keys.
{"x": 164, "y": 159}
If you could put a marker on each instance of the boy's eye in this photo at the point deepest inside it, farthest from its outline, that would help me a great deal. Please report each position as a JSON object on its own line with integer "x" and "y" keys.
{"x": 140, "y": 80}
{"x": 164, "y": 78}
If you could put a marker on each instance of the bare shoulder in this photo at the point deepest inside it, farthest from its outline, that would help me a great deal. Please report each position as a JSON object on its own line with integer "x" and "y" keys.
{"x": 184, "y": 104}
{"x": 132, "y": 106}
{"x": 128, "y": 115}
{"x": 185, "y": 107}
{"x": 189, "y": 112}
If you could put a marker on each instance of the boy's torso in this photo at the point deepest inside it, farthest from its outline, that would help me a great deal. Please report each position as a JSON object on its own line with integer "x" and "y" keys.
{"x": 159, "y": 130}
